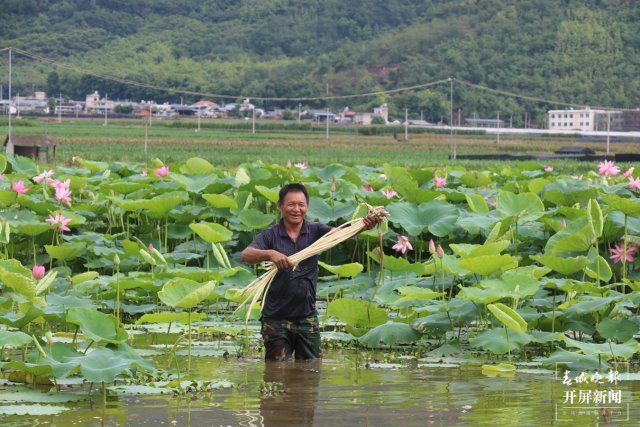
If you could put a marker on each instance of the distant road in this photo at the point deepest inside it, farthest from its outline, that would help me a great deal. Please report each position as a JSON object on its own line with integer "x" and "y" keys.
{"x": 521, "y": 131}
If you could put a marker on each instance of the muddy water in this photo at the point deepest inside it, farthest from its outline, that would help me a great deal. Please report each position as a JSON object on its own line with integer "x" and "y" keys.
{"x": 344, "y": 391}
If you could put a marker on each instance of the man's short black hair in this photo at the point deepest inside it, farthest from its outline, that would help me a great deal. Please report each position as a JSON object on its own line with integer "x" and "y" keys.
{"x": 293, "y": 187}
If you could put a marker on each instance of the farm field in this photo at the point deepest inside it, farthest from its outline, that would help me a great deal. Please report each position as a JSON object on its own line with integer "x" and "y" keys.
{"x": 122, "y": 283}
{"x": 229, "y": 143}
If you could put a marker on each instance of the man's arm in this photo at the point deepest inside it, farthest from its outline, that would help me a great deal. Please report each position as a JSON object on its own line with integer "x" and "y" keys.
{"x": 252, "y": 255}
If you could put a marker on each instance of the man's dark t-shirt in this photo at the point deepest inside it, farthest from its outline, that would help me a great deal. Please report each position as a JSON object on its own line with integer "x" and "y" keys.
{"x": 292, "y": 293}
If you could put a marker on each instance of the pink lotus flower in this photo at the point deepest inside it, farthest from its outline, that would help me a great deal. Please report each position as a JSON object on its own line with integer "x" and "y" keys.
{"x": 44, "y": 176}
{"x": 367, "y": 188}
{"x": 549, "y": 168}
{"x": 1, "y": 177}
{"x": 628, "y": 172}
{"x": 634, "y": 183}
{"x": 63, "y": 191}
{"x": 439, "y": 182}
{"x": 161, "y": 172}
{"x": 563, "y": 223}
{"x": 19, "y": 187}
{"x": 150, "y": 248}
{"x": 59, "y": 222}
{"x": 402, "y": 245}
{"x": 143, "y": 172}
{"x": 439, "y": 251}
{"x": 619, "y": 254}
{"x": 301, "y": 166}
{"x": 607, "y": 168}
{"x": 38, "y": 272}
{"x": 389, "y": 194}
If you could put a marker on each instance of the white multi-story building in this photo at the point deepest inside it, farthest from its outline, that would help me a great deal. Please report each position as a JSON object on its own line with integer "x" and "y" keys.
{"x": 582, "y": 120}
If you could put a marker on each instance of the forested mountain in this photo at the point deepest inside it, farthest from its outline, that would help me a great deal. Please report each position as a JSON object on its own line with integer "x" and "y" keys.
{"x": 576, "y": 51}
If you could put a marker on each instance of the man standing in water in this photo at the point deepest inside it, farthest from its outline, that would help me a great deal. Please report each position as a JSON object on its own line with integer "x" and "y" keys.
{"x": 289, "y": 317}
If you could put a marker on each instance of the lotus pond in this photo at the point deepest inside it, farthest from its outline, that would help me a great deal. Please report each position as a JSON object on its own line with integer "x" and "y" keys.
{"x": 508, "y": 294}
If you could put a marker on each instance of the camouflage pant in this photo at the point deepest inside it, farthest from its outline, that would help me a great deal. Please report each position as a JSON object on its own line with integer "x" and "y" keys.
{"x": 284, "y": 338}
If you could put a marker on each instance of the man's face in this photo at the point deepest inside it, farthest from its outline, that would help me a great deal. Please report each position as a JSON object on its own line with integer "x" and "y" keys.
{"x": 294, "y": 207}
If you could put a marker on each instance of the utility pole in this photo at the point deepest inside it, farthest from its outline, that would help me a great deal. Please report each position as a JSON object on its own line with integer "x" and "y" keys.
{"x": 406, "y": 124}
{"x": 299, "y": 113}
{"x": 451, "y": 137}
{"x": 146, "y": 138}
{"x": 498, "y": 123}
{"x": 253, "y": 120}
{"x": 105, "y": 108}
{"x": 525, "y": 119}
{"x": 9, "y": 135}
{"x": 60, "y": 108}
{"x": 608, "y": 130}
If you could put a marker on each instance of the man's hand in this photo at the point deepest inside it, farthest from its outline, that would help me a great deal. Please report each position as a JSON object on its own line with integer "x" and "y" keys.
{"x": 280, "y": 260}
{"x": 371, "y": 221}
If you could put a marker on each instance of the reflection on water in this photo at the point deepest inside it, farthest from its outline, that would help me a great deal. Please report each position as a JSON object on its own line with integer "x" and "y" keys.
{"x": 340, "y": 392}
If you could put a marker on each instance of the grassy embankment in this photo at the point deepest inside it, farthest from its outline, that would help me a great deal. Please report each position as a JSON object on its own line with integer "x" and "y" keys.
{"x": 229, "y": 143}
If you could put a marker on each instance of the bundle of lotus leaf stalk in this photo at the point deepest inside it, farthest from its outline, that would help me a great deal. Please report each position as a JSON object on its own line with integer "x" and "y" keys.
{"x": 257, "y": 289}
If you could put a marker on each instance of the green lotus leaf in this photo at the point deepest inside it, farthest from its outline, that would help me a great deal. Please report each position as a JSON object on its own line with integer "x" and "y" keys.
{"x": 96, "y": 325}
{"x": 568, "y": 196}
{"x": 242, "y": 177}
{"x": 124, "y": 187}
{"x": 599, "y": 268}
{"x": 344, "y": 270}
{"x": 395, "y": 264}
{"x": 105, "y": 364}
{"x": 211, "y": 232}
{"x": 468, "y": 250}
{"x": 193, "y": 184}
{"x": 494, "y": 340}
{"x": 185, "y": 293}
{"x": 255, "y": 219}
{"x": 23, "y": 165}
{"x": 197, "y": 166}
{"x": 416, "y": 292}
{"x": 25, "y": 315}
{"x": 14, "y": 338}
{"x": 573, "y": 360}
{"x": 94, "y": 166}
{"x": 621, "y": 330}
{"x": 566, "y": 266}
{"x": 169, "y": 317}
{"x": 476, "y": 203}
{"x": 524, "y": 205}
{"x": 66, "y": 251}
{"x": 481, "y": 295}
{"x": 14, "y": 276}
{"x": 508, "y": 317}
{"x": 32, "y": 410}
{"x": 3, "y": 163}
{"x": 488, "y": 264}
{"x": 220, "y": 201}
{"x": 537, "y": 185}
{"x": 83, "y": 277}
{"x": 438, "y": 217}
{"x": 606, "y": 350}
{"x": 32, "y": 229}
{"x": 389, "y": 334}
{"x": 629, "y": 207}
{"x": 7, "y": 198}
{"x": 475, "y": 179}
{"x": 19, "y": 394}
{"x": 577, "y": 236}
{"x": 595, "y": 217}
{"x": 271, "y": 194}
{"x": 588, "y": 304}
{"x": 357, "y": 313}
{"x": 320, "y": 210}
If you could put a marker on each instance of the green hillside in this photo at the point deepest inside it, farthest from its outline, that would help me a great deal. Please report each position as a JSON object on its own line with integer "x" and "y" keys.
{"x": 574, "y": 51}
